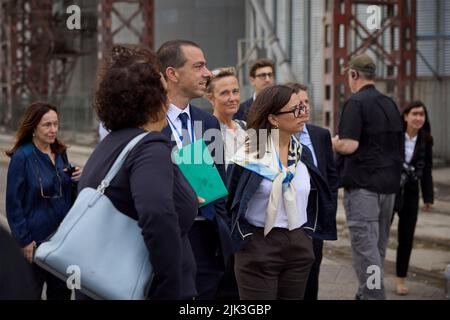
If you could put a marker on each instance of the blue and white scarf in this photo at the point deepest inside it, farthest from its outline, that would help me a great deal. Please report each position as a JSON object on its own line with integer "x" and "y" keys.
{"x": 270, "y": 167}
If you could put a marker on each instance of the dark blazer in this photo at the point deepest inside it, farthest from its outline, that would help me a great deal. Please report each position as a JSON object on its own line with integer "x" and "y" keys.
{"x": 321, "y": 141}
{"x": 152, "y": 190}
{"x": 216, "y": 208}
{"x": 422, "y": 161}
{"x": 321, "y": 211}
{"x": 243, "y": 110}
{"x": 32, "y": 217}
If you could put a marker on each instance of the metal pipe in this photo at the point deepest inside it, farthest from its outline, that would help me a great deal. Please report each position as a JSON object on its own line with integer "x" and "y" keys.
{"x": 307, "y": 42}
{"x": 274, "y": 42}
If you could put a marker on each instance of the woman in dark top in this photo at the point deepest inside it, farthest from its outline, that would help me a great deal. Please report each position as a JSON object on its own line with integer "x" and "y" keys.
{"x": 417, "y": 167}
{"x": 39, "y": 187}
{"x": 131, "y": 99}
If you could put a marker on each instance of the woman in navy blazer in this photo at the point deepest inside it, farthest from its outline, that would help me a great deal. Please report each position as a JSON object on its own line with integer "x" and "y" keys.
{"x": 244, "y": 184}
{"x": 39, "y": 187}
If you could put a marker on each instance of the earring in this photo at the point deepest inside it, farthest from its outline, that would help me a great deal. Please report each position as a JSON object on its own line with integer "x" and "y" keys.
{"x": 276, "y": 127}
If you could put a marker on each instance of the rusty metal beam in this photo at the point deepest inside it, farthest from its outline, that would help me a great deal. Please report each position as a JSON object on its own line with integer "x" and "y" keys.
{"x": 31, "y": 66}
{"x": 108, "y": 33}
{"x": 399, "y": 62}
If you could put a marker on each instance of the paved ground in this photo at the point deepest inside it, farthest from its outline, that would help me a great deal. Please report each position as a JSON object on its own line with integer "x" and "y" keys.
{"x": 337, "y": 280}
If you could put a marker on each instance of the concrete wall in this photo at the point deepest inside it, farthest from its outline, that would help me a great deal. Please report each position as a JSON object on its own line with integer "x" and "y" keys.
{"x": 215, "y": 25}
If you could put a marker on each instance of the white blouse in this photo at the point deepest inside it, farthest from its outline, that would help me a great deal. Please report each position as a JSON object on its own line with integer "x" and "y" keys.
{"x": 257, "y": 206}
{"x": 410, "y": 145}
{"x": 233, "y": 140}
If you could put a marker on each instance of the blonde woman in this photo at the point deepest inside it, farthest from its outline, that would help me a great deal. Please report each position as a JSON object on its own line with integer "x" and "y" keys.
{"x": 224, "y": 95}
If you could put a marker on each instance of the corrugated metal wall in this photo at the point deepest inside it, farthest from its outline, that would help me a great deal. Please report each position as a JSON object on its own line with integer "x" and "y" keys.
{"x": 316, "y": 57}
{"x": 298, "y": 40}
{"x": 299, "y": 27}
{"x": 436, "y": 96}
{"x": 433, "y": 34}
{"x": 305, "y": 49}
{"x": 426, "y": 27}
{"x": 446, "y": 31}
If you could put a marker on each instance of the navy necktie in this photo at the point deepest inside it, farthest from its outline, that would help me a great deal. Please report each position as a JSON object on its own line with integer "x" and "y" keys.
{"x": 185, "y": 138}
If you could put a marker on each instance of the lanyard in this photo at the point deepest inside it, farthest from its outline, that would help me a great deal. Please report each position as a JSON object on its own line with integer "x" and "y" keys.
{"x": 180, "y": 135}
{"x": 274, "y": 150}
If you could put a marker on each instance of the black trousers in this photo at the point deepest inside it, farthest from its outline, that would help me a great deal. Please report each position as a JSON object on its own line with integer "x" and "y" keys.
{"x": 208, "y": 257}
{"x": 228, "y": 288}
{"x": 56, "y": 288}
{"x": 406, "y": 226}
{"x": 312, "y": 286}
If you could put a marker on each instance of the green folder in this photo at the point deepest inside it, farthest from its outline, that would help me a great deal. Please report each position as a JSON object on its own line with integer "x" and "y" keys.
{"x": 198, "y": 167}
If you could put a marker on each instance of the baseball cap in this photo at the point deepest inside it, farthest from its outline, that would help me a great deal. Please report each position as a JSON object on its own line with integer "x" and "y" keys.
{"x": 362, "y": 62}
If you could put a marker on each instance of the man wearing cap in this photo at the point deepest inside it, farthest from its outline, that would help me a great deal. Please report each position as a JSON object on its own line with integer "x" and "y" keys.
{"x": 370, "y": 157}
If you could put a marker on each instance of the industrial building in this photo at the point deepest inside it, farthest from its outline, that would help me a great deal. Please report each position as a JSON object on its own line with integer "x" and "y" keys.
{"x": 311, "y": 42}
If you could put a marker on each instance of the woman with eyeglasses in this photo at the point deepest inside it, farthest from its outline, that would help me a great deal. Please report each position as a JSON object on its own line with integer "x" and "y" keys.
{"x": 39, "y": 187}
{"x": 222, "y": 91}
{"x": 275, "y": 197}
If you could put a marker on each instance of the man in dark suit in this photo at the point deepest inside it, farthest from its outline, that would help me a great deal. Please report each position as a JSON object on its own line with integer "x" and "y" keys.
{"x": 186, "y": 74}
{"x": 318, "y": 141}
{"x": 261, "y": 76}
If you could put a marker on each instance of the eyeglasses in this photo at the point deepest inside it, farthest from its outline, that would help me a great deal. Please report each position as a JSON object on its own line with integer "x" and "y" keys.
{"x": 264, "y": 75}
{"x": 297, "y": 111}
{"x": 59, "y": 195}
{"x": 54, "y": 196}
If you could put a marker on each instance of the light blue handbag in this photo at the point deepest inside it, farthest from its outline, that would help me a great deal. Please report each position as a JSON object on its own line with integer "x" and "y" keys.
{"x": 106, "y": 245}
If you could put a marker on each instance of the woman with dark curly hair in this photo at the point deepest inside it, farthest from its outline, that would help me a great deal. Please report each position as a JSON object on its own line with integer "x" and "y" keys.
{"x": 131, "y": 99}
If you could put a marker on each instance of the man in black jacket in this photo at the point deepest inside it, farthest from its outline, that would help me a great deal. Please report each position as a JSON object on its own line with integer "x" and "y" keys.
{"x": 184, "y": 69}
{"x": 370, "y": 146}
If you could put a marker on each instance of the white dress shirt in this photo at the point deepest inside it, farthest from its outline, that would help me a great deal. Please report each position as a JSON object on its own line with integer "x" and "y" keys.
{"x": 233, "y": 140}
{"x": 175, "y": 123}
{"x": 305, "y": 139}
{"x": 102, "y": 132}
{"x": 410, "y": 145}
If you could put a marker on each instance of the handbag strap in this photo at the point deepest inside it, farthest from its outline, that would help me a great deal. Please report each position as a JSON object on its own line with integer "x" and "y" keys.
{"x": 119, "y": 162}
